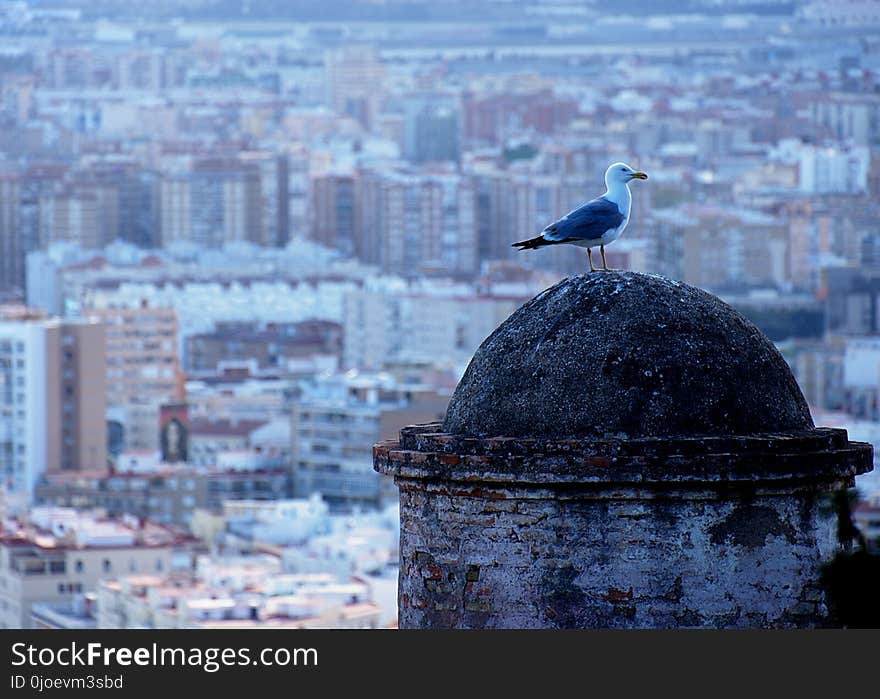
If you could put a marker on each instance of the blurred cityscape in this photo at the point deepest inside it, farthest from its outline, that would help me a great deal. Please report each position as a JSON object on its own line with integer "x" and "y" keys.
{"x": 242, "y": 241}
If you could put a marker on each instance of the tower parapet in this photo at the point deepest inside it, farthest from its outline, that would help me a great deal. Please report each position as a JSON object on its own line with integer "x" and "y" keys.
{"x": 624, "y": 451}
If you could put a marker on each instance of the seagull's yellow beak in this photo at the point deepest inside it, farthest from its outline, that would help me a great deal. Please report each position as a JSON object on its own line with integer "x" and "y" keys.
{"x": 638, "y": 176}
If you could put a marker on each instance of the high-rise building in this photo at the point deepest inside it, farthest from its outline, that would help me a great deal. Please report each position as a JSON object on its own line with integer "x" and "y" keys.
{"x": 273, "y": 169}
{"x": 354, "y": 79}
{"x": 830, "y": 169}
{"x": 334, "y": 210}
{"x": 17, "y": 96}
{"x": 431, "y": 128}
{"x": 848, "y": 116}
{"x": 724, "y": 248}
{"x": 215, "y": 202}
{"x": 51, "y": 416}
{"x": 852, "y": 304}
{"x": 298, "y": 163}
{"x": 82, "y": 370}
{"x": 79, "y": 213}
{"x": 142, "y": 356}
{"x": 78, "y": 67}
{"x": 494, "y": 215}
{"x": 129, "y": 195}
{"x": 513, "y": 206}
{"x": 408, "y": 221}
{"x": 11, "y": 253}
{"x": 35, "y": 182}
{"x": 141, "y": 70}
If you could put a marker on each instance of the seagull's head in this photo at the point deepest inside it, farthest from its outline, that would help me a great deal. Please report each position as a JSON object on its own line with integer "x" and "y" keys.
{"x": 621, "y": 173}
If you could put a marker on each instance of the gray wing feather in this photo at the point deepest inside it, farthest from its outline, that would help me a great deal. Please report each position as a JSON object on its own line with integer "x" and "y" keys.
{"x": 587, "y": 222}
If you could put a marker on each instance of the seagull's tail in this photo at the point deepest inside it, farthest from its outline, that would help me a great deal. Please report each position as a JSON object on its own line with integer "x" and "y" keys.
{"x": 532, "y": 243}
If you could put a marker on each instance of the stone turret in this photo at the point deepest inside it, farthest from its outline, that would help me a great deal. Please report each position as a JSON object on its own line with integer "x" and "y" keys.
{"x": 625, "y": 451}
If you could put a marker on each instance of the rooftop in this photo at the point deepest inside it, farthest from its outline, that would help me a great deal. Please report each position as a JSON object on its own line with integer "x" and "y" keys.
{"x": 62, "y": 528}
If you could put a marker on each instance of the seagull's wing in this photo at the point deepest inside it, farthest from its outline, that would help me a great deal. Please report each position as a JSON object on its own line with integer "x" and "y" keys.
{"x": 587, "y": 222}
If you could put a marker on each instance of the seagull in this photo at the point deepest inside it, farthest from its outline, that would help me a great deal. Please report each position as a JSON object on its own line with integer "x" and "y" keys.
{"x": 598, "y": 222}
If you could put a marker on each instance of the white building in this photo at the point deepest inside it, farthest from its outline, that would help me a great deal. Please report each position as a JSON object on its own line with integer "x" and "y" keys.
{"x": 839, "y": 13}
{"x": 23, "y": 395}
{"x": 59, "y": 554}
{"x": 861, "y": 364}
{"x": 277, "y": 522}
{"x": 237, "y": 592}
{"x": 335, "y": 423}
{"x": 238, "y": 282}
{"x": 358, "y": 544}
{"x": 75, "y": 613}
{"x": 260, "y": 399}
{"x": 138, "y": 461}
{"x": 51, "y": 418}
{"x": 826, "y": 169}
{"x": 849, "y": 116}
{"x": 272, "y": 440}
{"x": 438, "y": 323}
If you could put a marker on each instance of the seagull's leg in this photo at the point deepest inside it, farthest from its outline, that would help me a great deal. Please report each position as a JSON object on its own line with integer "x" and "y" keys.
{"x": 590, "y": 258}
{"x": 604, "y": 264}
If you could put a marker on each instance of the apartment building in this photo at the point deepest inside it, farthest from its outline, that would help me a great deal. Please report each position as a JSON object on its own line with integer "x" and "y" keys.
{"x": 335, "y": 424}
{"x": 51, "y": 417}
{"x": 142, "y": 356}
{"x": 58, "y": 553}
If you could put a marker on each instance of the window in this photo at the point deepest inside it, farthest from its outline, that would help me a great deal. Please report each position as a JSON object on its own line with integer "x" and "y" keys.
{"x": 78, "y": 566}
{"x": 105, "y": 565}
{"x": 159, "y": 565}
{"x": 57, "y": 567}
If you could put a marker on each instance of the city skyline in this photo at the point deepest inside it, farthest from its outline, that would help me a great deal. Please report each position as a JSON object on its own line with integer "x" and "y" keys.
{"x": 240, "y": 243}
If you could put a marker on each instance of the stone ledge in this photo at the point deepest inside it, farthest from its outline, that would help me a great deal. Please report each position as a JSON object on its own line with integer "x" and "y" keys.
{"x": 817, "y": 456}
{"x": 429, "y": 437}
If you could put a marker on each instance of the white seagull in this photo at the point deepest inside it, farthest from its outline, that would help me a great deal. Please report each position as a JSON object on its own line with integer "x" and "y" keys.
{"x": 598, "y": 222}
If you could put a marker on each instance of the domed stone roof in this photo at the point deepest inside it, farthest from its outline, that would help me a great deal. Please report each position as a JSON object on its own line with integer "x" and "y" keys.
{"x": 625, "y": 354}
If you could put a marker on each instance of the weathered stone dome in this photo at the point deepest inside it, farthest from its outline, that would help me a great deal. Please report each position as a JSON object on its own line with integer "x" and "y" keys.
{"x": 623, "y": 354}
